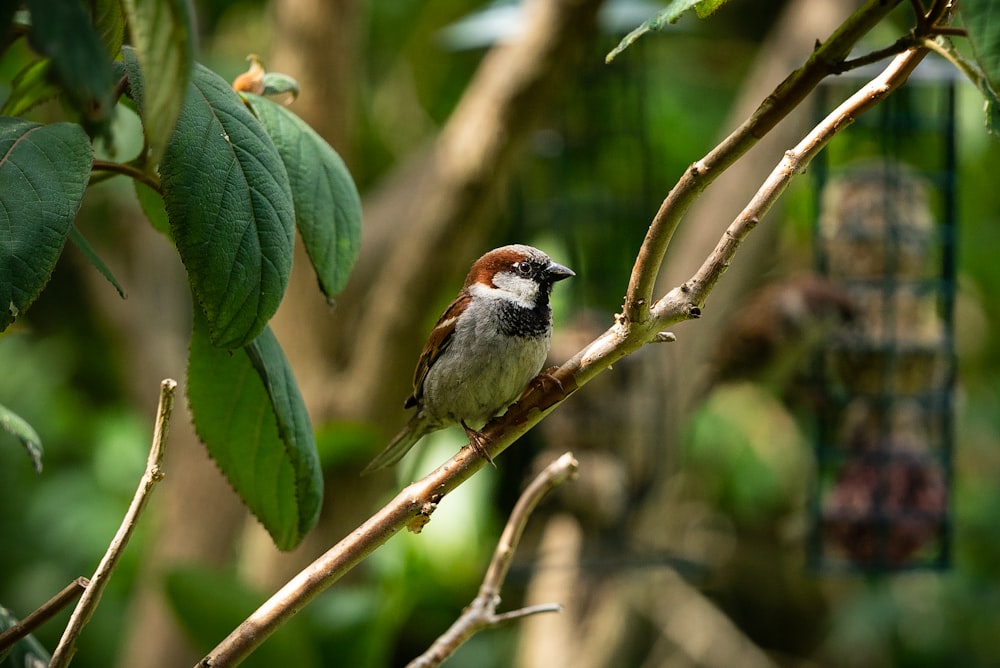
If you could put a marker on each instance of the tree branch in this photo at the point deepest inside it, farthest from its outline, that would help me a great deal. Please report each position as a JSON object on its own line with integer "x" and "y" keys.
{"x": 92, "y": 596}
{"x": 695, "y": 291}
{"x": 481, "y": 613}
{"x": 42, "y": 614}
{"x": 825, "y": 60}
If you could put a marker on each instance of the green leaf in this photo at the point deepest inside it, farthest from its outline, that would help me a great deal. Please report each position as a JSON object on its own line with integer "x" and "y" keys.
{"x": 280, "y": 87}
{"x": 669, "y": 14}
{"x": 15, "y": 425}
{"x": 61, "y": 30}
{"x": 110, "y": 23}
{"x": 982, "y": 21}
{"x": 80, "y": 241}
{"x": 209, "y": 603}
{"x": 30, "y": 87}
{"x": 44, "y": 170}
{"x": 248, "y": 412}
{"x": 154, "y": 208}
{"x": 230, "y": 210}
{"x": 159, "y": 65}
{"x": 327, "y": 204}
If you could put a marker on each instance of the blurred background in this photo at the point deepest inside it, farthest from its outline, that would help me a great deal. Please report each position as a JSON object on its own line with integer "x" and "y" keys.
{"x": 806, "y": 477}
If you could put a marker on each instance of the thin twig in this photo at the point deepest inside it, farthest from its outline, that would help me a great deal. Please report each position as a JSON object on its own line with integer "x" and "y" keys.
{"x": 153, "y": 474}
{"x": 481, "y": 613}
{"x": 43, "y": 613}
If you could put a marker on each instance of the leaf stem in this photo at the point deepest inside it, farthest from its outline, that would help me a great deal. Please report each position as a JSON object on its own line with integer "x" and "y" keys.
{"x": 127, "y": 169}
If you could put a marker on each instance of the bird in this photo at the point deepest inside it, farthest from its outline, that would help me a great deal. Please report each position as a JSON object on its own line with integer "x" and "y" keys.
{"x": 489, "y": 343}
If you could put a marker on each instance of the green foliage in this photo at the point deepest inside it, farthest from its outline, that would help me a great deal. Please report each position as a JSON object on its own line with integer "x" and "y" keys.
{"x": 212, "y": 176}
{"x": 982, "y": 20}
{"x": 248, "y": 412}
{"x": 669, "y": 14}
{"x": 332, "y": 248}
{"x": 62, "y": 31}
{"x": 229, "y": 205}
{"x": 162, "y": 35}
{"x": 15, "y": 425}
{"x": 44, "y": 170}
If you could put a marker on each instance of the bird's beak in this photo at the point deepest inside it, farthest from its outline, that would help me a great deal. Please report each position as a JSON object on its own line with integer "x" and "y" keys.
{"x": 557, "y": 272}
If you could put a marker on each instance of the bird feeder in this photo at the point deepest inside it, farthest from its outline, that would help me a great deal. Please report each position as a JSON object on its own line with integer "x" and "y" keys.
{"x": 885, "y": 234}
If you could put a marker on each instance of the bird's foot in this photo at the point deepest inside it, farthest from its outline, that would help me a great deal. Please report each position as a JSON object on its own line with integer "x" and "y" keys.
{"x": 479, "y": 443}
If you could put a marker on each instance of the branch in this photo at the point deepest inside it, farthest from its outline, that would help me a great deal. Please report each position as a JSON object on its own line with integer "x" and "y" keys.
{"x": 695, "y": 291}
{"x": 826, "y": 59}
{"x": 481, "y": 613}
{"x": 127, "y": 170}
{"x": 44, "y": 613}
{"x": 88, "y": 602}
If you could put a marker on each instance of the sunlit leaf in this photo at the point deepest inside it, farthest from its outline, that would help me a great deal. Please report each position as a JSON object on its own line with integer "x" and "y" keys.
{"x": 31, "y": 87}
{"x": 159, "y": 66}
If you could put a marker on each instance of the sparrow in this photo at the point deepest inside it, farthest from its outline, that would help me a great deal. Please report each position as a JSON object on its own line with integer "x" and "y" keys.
{"x": 485, "y": 348}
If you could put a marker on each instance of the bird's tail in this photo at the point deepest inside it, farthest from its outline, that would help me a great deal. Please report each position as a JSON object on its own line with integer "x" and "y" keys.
{"x": 398, "y": 446}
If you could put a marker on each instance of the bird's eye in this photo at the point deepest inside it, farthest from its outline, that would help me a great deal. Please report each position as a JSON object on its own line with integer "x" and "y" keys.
{"x": 523, "y": 268}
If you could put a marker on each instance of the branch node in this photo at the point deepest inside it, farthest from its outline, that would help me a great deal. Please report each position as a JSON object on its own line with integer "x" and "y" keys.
{"x": 663, "y": 337}
{"x": 694, "y": 311}
{"x": 417, "y": 524}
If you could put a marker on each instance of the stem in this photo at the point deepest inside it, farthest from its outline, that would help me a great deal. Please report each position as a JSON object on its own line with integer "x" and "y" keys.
{"x": 481, "y": 613}
{"x": 88, "y": 602}
{"x": 44, "y": 613}
{"x": 129, "y": 170}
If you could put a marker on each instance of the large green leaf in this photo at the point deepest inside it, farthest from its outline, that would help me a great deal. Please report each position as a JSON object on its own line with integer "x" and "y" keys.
{"x": 250, "y": 415}
{"x": 162, "y": 36}
{"x": 44, "y": 170}
{"x": 230, "y": 209}
{"x": 327, "y": 204}
{"x": 61, "y": 30}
